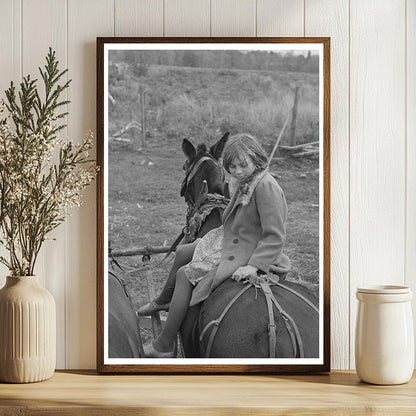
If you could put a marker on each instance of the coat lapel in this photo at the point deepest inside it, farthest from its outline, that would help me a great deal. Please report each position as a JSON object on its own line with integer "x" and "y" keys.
{"x": 238, "y": 199}
{"x": 230, "y": 208}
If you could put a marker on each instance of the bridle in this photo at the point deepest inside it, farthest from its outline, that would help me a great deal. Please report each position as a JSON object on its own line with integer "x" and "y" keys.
{"x": 192, "y": 170}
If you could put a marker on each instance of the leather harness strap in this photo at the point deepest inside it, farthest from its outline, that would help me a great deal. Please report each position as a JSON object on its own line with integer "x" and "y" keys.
{"x": 291, "y": 329}
{"x": 175, "y": 244}
{"x": 272, "y": 326}
{"x": 122, "y": 282}
{"x": 195, "y": 168}
{"x": 217, "y": 322}
{"x": 299, "y": 296}
{"x": 290, "y": 324}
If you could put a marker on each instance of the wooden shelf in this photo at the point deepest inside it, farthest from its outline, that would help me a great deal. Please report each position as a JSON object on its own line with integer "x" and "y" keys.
{"x": 86, "y": 393}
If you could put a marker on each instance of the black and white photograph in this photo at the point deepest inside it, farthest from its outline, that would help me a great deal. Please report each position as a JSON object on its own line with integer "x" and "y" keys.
{"x": 213, "y": 213}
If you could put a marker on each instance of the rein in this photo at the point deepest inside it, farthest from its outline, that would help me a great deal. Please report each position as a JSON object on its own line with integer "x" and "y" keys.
{"x": 122, "y": 282}
{"x": 290, "y": 324}
{"x": 218, "y": 321}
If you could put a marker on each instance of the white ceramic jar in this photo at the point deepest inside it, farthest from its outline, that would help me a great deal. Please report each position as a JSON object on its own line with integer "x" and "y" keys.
{"x": 384, "y": 338}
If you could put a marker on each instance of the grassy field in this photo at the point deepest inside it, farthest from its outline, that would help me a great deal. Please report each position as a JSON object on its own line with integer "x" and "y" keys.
{"x": 144, "y": 203}
{"x": 200, "y": 103}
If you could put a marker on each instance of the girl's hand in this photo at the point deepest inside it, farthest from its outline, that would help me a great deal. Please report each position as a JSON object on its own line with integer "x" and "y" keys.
{"x": 243, "y": 273}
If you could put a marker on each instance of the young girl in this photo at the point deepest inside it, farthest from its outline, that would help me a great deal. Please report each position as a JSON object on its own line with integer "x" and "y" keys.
{"x": 250, "y": 240}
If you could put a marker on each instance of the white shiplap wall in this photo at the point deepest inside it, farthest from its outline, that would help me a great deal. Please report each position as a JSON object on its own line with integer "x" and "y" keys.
{"x": 373, "y": 132}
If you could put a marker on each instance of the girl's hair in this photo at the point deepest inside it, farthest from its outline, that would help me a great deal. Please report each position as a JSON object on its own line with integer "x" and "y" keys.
{"x": 242, "y": 145}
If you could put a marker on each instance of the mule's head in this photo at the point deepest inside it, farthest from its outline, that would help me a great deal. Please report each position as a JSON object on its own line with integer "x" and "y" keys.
{"x": 203, "y": 169}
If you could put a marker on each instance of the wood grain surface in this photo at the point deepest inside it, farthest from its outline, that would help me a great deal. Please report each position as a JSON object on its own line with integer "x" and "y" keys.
{"x": 339, "y": 393}
{"x": 233, "y": 18}
{"x": 138, "y": 17}
{"x": 10, "y": 65}
{"x": 410, "y": 260}
{"x": 329, "y": 18}
{"x": 377, "y": 148}
{"x": 85, "y": 18}
{"x": 187, "y": 18}
{"x": 281, "y": 18}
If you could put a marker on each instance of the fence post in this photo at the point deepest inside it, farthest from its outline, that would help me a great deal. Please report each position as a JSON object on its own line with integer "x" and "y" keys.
{"x": 143, "y": 117}
{"x": 294, "y": 115}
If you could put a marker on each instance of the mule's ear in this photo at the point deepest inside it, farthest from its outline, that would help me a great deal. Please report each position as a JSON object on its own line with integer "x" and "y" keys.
{"x": 217, "y": 149}
{"x": 188, "y": 149}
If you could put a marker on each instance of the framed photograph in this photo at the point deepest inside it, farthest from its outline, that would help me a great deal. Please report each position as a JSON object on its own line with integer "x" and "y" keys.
{"x": 213, "y": 205}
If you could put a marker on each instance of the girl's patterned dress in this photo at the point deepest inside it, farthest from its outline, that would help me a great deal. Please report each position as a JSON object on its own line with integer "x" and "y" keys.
{"x": 206, "y": 256}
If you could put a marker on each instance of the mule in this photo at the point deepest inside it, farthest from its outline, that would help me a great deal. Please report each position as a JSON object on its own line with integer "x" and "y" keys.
{"x": 124, "y": 339}
{"x": 203, "y": 187}
{"x": 227, "y": 325}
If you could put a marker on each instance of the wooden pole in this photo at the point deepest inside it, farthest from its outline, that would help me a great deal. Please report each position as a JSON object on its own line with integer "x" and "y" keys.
{"x": 143, "y": 118}
{"x": 278, "y": 140}
{"x": 156, "y": 323}
{"x": 140, "y": 251}
{"x": 294, "y": 115}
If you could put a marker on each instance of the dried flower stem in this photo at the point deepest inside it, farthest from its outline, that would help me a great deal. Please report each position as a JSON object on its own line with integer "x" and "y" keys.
{"x": 37, "y": 194}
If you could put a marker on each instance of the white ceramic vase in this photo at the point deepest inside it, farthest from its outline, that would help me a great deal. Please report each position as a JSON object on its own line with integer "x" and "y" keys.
{"x": 384, "y": 341}
{"x": 27, "y": 331}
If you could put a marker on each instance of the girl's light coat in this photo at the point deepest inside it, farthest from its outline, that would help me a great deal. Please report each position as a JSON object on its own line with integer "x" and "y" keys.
{"x": 254, "y": 233}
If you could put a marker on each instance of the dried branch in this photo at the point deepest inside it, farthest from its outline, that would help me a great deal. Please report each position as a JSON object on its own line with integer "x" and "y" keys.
{"x": 37, "y": 194}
